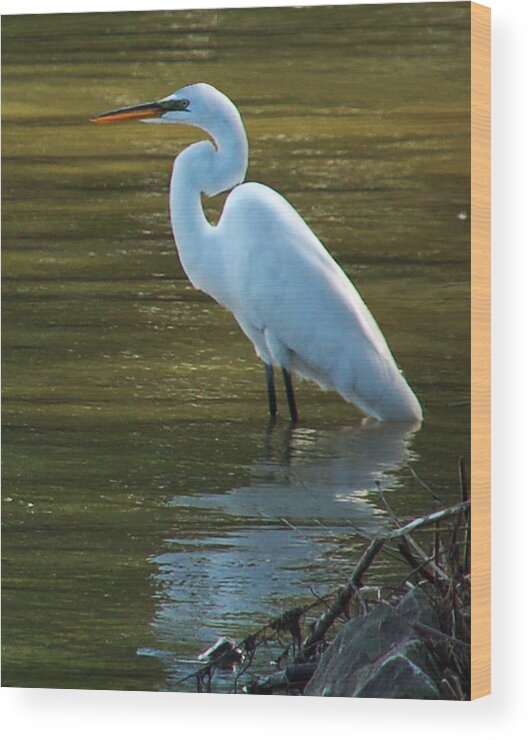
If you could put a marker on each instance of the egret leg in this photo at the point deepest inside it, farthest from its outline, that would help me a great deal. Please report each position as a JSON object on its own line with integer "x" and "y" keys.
{"x": 269, "y": 375}
{"x": 290, "y": 395}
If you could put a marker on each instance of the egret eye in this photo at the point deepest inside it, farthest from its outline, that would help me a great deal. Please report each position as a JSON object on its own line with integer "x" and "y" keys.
{"x": 180, "y": 104}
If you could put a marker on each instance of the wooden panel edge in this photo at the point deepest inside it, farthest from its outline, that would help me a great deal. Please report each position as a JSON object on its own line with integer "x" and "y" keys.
{"x": 480, "y": 351}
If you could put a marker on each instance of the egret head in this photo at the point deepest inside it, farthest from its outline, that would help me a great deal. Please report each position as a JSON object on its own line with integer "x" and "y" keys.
{"x": 203, "y": 106}
{"x": 195, "y": 105}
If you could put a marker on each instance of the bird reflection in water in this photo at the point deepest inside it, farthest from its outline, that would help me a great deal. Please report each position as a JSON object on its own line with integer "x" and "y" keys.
{"x": 277, "y": 538}
{"x": 305, "y": 473}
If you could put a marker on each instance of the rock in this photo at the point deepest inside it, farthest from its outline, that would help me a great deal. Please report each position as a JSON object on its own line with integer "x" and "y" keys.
{"x": 399, "y": 678}
{"x": 381, "y": 655}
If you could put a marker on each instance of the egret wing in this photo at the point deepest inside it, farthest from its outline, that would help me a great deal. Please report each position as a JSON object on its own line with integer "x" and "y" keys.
{"x": 285, "y": 284}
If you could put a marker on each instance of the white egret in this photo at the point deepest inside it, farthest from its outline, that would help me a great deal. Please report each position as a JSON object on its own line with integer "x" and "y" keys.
{"x": 263, "y": 263}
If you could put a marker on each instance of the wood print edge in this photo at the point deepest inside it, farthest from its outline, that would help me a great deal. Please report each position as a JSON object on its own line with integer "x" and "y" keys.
{"x": 480, "y": 352}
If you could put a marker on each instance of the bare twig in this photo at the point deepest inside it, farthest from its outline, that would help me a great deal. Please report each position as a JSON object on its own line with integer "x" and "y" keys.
{"x": 465, "y": 497}
{"x": 423, "y": 521}
{"x": 463, "y": 479}
{"x": 433, "y": 634}
{"x": 319, "y": 630}
{"x": 423, "y": 484}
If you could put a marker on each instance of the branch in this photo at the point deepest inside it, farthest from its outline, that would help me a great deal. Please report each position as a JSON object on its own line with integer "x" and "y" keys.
{"x": 320, "y": 628}
{"x": 423, "y": 521}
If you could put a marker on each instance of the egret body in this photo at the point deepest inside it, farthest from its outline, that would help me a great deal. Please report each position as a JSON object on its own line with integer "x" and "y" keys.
{"x": 263, "y": 263}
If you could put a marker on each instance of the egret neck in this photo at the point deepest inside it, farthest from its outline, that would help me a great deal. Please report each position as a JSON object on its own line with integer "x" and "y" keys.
{"x": 209, "y": 168}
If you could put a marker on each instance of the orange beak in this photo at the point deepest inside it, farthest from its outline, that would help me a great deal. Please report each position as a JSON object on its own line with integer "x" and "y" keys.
{"x": 146, "y": 110}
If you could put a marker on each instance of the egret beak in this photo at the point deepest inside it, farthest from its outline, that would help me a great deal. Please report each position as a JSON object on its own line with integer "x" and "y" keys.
{"x": 146, "y": 110}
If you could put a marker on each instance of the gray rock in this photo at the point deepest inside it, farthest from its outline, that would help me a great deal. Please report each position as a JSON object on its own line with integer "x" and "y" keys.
{"x": 381, "y": 655}
{"x": 397, "y": 677}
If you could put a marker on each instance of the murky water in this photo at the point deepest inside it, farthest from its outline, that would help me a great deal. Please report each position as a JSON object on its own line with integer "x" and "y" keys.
{"x": 147, "y": 509}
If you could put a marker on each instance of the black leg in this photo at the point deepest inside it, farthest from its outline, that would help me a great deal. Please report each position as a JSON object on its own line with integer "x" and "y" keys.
{"x": 269, "y": 375}
{"x": 290, "y": 395}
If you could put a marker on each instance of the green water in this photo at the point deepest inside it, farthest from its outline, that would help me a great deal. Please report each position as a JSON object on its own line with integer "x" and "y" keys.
{"x": 144, "y": 501}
